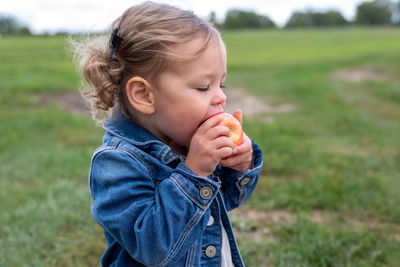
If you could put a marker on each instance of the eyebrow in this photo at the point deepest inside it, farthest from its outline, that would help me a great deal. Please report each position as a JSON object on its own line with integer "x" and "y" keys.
{"x": 211, "y": 75}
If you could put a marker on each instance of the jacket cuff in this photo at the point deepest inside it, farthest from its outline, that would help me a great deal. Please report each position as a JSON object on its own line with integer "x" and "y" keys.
{"x": 201, "y": 190}
{"x": 249, "y": 177}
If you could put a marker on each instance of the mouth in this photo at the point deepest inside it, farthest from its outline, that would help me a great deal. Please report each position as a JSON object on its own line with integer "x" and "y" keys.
{"x": 215, "y": 114}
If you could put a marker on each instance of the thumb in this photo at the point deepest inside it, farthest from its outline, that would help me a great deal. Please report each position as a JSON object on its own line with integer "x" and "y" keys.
{"x": 238, "y": 114}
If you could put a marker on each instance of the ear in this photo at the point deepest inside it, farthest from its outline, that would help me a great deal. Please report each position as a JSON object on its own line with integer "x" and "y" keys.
{"x": 140, "y": 95}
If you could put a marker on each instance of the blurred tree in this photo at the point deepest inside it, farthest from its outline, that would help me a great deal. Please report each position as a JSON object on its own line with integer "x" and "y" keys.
{"x": 24, "y": 31}
{"x": 316, "y": 19}
{"x": 299, "y": 19}
{"x": 377, "y": 12}
{"x": 212, "y": 18}
{"x": 239, "y": 19}
{"x": 10, "y": 26}
{"x": 335, "y": 18}
{"x": 396, "y": 13}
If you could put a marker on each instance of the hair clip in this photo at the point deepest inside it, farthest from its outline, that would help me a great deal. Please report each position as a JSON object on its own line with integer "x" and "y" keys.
{"x": 115, "y": 42}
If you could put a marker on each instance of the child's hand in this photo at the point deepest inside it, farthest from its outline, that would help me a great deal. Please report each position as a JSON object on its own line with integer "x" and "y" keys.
{"x": 208, "y": 147}
{"x": 242, "y": 155}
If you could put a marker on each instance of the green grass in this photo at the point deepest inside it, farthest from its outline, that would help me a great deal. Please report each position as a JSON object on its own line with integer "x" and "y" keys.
{"x": 332, "y": 164}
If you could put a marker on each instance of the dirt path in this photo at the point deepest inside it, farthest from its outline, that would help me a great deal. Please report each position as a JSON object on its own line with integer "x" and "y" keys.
{"x": 363, "y": 73}
{"x": 236, "y": 99}
{"x": 250, "y": 105}
{"x": 70, "y": 101}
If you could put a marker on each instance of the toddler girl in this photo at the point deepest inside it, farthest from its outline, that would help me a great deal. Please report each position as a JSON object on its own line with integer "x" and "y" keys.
{"x": 166, "y": 174}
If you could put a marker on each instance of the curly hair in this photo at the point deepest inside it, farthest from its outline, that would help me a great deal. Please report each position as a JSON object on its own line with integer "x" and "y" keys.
{"x": 149, "y": 30}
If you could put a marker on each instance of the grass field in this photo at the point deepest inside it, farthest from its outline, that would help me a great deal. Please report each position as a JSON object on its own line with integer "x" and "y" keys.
{"x": 329, "y": 192}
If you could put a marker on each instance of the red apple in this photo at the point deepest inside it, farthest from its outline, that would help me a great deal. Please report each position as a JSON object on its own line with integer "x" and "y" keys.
{"x": 235, "y": 128}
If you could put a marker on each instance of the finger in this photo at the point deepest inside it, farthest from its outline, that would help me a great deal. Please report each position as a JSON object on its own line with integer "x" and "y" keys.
{"x": 238, "y": 114}
{"x": 217, "y": 131}
{"x": 211, "y": 122}
{"x": 235, "y": 160}
{"x": 224, "y": 152}
{"x": 246, "y": 146}
{"x": 223, "y": 142}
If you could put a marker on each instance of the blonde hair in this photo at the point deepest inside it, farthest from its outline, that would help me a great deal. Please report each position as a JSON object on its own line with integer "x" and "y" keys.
{"x": 149, "y": 30}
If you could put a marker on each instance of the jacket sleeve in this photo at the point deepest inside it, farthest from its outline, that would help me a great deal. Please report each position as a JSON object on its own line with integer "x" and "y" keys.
{"x": 238, "y": 186}
{"x": 153, "y": 223}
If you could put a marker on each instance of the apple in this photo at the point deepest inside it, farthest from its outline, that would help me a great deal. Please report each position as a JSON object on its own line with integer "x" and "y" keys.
{"x": 235, "y": 128}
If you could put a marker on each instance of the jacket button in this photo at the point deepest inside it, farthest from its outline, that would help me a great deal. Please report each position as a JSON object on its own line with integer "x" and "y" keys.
{"x": 206, "y": 192}
{"x": 211, "y": 251}
{"x": 210, "y": 221}
{"x": 245, "y": 181}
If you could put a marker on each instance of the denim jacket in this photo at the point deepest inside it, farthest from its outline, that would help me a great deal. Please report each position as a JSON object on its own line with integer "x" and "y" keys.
{"x": 154, "y": 210}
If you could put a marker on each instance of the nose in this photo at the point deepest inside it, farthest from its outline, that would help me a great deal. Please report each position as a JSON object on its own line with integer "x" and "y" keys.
{"x": 219, "y": 97}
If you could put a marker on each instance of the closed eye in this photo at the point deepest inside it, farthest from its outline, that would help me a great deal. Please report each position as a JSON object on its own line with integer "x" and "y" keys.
{"x": 222, "y": 86}
{"x": 203, "y": 89}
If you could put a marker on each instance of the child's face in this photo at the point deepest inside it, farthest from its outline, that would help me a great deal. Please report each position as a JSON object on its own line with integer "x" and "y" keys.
{"x": 189, "y": 92}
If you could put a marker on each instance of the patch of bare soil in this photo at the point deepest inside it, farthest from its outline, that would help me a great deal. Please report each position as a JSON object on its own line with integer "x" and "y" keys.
{"x": 236, "y": 98}
{"x": 361, "y": 74}
{"x": 397, "y": 236}
{"x": 266, "y": 217}
{"x": 263, "y": 221}
{"x": 71, "y": 101}
{"x": 251, "y": 106}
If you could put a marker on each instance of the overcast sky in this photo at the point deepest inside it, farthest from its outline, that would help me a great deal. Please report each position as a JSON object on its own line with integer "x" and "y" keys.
{"x": 94, "y": 15}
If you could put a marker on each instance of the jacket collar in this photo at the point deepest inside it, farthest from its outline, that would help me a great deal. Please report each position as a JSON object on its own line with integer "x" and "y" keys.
{"x": 135, "y": 134}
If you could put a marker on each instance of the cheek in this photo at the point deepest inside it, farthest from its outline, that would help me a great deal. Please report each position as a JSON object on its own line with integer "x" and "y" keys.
{"x": 194, "y": 109}
{"x": 188, "y": 123}
{"x": 180, "y": 124}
